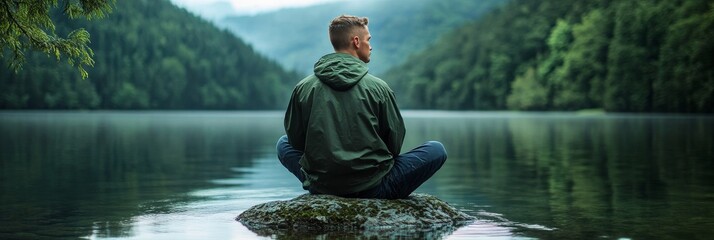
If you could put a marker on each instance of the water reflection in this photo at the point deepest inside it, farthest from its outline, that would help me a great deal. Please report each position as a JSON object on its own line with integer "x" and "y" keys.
{"x": 182, "y": 175}
{"x": 610, "y": 176}
{"x": 66, "y": 175}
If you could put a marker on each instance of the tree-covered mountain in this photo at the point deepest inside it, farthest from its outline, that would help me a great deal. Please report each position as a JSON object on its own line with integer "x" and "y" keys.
{"x": 150, "y": 54}
{"x": 298, "y": 37}
{"x": 625, "y": 56}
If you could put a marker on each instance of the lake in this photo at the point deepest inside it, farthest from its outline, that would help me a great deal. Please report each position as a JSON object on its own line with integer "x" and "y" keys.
{"x": 187, "y": 175}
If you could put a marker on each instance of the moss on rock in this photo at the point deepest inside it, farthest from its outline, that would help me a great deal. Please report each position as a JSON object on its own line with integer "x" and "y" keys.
{"x": 327, "y": 213}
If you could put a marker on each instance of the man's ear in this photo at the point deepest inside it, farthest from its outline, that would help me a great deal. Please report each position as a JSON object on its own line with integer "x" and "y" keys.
{"x": 356, "y": 42}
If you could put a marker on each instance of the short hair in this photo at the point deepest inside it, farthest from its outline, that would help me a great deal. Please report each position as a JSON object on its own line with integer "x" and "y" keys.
{"x": 342, "y": 29}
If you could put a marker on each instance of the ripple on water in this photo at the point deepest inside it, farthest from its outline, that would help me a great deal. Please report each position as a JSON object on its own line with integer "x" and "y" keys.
{"x": 493, "y": 226}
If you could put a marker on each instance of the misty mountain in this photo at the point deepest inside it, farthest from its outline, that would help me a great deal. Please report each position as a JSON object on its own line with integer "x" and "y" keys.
{"x": 215, "y": 10}
{"x": 150, "y": 55}
{"x": 297, "y": 37}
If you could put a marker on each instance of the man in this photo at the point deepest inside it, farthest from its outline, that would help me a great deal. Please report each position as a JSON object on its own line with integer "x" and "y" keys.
{"x": 344, "y": 130}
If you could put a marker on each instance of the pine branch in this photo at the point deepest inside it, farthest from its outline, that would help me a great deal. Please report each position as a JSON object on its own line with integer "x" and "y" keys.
{"x": 14, "y": 20}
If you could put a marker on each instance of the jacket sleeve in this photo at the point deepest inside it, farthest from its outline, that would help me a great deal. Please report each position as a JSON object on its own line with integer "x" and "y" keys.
{"x": 392, "y": 125}
{"x": 294, "y": 124}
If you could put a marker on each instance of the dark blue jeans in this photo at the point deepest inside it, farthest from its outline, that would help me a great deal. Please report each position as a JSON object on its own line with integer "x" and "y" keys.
{"x": 410, "y": 169}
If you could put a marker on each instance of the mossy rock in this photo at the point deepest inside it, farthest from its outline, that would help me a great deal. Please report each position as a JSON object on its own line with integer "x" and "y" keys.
{"x": 326, "y": 213}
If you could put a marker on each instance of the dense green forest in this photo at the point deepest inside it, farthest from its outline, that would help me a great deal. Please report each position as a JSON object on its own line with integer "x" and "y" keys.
{"x": 298, "y": 37}
{"x": 620, "y": 56}
{"x": 150, "y": 54}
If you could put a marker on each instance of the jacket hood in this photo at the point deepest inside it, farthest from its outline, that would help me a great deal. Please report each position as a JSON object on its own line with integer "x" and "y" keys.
{"x": 340, "y": 71}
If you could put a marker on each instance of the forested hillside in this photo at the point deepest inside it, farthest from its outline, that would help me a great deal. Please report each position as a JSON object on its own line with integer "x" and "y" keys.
{"x": 620, "y": 56}
{"x": 150, "y": 54}
{"x": 298, "y": 37}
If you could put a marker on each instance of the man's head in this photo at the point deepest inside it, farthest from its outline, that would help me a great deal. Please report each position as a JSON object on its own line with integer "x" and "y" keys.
{"x": 349, "y": 34}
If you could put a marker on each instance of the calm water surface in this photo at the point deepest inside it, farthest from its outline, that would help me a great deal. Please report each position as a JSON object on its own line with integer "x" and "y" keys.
{"x": 186, "y": 175}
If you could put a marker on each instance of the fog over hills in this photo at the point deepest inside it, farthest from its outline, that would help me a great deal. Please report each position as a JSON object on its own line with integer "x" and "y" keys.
{"x": 297, "y": 37}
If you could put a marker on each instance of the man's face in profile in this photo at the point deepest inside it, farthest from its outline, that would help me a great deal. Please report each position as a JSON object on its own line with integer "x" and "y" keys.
{"x": 365, "y": 48}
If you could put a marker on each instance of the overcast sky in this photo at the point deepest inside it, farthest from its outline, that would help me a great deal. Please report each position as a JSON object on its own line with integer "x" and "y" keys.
{"x": 244, "y": 7}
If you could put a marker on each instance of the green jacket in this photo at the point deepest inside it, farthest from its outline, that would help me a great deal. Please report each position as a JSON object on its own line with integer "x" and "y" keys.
{"x": 347, "y": 123}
